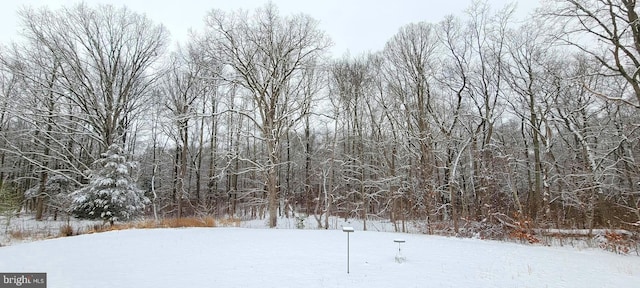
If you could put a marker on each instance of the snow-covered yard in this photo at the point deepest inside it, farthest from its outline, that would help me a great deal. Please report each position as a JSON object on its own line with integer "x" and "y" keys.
{"x": 241, "y": 257}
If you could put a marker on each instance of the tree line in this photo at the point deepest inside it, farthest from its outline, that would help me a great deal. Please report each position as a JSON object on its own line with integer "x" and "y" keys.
{"x": 478, "y": 118}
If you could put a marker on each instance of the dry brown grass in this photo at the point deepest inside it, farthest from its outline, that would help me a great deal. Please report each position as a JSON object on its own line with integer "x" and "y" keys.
{"x": 24, "y": 234}
{"x": 66, "y": 230}
{"x": 19, "y": 234}
{"x": 183, "y": 222}
{"x": 229, "y": 222}
{"x": 145, "y": 224}
{"x": 97, "y": 228}
{"x": 188, "y": 222}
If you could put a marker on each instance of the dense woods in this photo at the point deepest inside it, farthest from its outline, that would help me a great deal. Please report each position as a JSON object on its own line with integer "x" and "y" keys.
{"x": 478, "y": 118}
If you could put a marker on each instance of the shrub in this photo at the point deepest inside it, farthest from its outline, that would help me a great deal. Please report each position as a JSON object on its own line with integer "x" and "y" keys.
{"x": 66, "y": 230}
{"x": 615, "y": 242}
{"x": 522, "y": 229}
{"x": 19, "y": 234}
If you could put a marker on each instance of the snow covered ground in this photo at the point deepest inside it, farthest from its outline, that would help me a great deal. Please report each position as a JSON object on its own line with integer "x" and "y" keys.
{"x": 241, "y": 257}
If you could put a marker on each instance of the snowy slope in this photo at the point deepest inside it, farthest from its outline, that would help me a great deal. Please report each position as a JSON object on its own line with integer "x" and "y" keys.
{"x": 238, "y": 257}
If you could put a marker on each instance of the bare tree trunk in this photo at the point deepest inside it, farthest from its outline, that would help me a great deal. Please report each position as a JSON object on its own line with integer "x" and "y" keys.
{"x": 272, "y": 178}
{"x": 199, "y": 155}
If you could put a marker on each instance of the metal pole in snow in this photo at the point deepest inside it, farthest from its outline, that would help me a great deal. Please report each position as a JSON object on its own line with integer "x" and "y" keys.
{"x": 347, "y": 230}
{"x": 347, "y": 253}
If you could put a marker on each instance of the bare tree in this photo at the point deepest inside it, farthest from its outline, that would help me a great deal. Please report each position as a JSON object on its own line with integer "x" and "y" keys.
{"x": 265, "y": 53}
{"x": 8, "y": 90}
{"x": 597, "y": 130}
{"x": 530, "y": 55}
{"x": 182, "y": 88}
{"x": 487, "y": 32}
{"x": 453, "y": 81}
{"x": 41, "y": 71}
{"x": 352, "y": 82}
{"x": 410, "y": 71}
{"x": 608, "y": 31}
{"x": 106, "y": 55}
{"x": 46, "y": 120}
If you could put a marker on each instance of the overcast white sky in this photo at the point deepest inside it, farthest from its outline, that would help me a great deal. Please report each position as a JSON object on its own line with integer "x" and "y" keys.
{"x": 354, "y": 25}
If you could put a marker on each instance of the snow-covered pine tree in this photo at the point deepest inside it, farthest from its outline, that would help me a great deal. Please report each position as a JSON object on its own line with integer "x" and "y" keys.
{"x": 112, "y": 194}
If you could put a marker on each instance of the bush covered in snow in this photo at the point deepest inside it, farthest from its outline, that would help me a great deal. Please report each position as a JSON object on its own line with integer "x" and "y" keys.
{"x": 112, "y": 194}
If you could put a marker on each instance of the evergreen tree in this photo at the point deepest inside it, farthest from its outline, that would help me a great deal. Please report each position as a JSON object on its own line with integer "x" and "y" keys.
{"x": 112, "y": 194}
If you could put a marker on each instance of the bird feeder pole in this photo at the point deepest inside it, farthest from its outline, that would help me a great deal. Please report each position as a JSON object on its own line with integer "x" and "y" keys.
{"x": 347, "y": 230}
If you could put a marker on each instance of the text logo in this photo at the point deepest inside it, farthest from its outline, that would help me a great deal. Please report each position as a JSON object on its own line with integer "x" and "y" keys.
{"x": 23, "y": 280}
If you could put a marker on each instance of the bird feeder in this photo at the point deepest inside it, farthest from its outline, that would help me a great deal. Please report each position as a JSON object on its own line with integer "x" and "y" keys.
{"x": 399, "y": 257}
{"x": 347, "y": 230}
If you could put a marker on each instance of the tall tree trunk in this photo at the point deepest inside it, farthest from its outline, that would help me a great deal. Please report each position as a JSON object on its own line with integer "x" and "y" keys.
{"x": 272, "y": 184}
{"x": 198, "y": 167}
